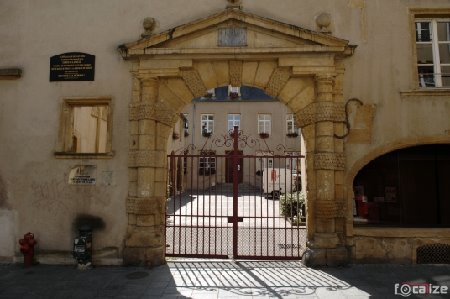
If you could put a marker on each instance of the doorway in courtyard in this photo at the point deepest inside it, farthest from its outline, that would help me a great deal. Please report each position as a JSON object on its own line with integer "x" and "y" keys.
{"x": 235, "y": 205}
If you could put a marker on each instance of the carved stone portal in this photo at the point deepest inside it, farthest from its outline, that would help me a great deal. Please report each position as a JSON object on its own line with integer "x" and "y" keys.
{"x": 308, "y": 81}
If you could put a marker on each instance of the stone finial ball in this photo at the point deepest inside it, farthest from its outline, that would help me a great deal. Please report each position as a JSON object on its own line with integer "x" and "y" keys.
{"x": 149, "y": 24}
{"x": 323, "y": 20}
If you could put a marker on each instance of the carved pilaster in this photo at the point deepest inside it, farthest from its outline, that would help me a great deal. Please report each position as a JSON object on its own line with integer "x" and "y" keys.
{"x": 325, "y": 79}
{"x": 320, "y": 112}
{"x": 329, "y": 161}
{"x": 146, "y": 158}
{"x": 158, "y": 111}
{"x": 329, "y": 209}
{"x": 149, "y": 90}
{"x": 324, "y": 114}
{"x": 144, "y": 206}
{"x": 136, "y": 90}
{"x": 278, "y": 80}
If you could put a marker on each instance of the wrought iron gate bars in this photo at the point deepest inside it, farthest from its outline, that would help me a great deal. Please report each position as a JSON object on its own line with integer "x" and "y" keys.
{"x": 195, "y": 227}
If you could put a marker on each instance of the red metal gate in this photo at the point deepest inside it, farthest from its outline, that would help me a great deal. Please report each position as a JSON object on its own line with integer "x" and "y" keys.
{"x": 260, "y": 215}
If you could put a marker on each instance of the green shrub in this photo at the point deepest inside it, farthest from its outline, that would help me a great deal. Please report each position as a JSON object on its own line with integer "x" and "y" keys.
{"x": 292, "y": 206}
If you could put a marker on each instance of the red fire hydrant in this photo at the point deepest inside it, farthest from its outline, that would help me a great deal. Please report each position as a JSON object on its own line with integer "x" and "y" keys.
{"x": 27, "y": 248}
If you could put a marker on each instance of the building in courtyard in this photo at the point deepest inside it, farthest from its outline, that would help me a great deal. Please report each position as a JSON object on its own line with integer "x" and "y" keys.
{"x": 209, "y": 120}
{"x": 94, "y": 93}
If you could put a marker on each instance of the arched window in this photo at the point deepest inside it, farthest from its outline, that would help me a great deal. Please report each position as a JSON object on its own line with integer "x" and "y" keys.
{"x": 407, "y": 187}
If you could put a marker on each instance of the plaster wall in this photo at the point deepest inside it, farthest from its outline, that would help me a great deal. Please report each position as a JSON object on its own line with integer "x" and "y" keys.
{"x": 34, "y": 194}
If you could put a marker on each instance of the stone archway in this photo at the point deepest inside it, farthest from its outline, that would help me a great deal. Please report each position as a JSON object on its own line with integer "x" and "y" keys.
{"x": 380, "y": 151}
{"x": 305, "y": 72}
{"x": 399, "y": 240}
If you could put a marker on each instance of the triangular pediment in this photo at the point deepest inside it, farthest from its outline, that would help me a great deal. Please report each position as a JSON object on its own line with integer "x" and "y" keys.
{"x": 234, "y": 28}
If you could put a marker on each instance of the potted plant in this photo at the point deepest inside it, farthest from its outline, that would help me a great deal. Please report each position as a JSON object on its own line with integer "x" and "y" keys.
{"x": 263, "y": 135}
{"x": 292, "y": 135}
{"x": 206, "y": 134}
{"x": 234, "y": 95}
{"x": 292, "y": 206}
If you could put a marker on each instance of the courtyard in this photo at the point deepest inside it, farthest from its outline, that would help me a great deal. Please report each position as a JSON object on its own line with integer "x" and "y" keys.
{"x": 202, "y": 224}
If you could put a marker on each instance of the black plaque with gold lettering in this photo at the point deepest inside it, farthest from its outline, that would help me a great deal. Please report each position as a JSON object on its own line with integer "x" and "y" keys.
{"x": 73, "y": 66}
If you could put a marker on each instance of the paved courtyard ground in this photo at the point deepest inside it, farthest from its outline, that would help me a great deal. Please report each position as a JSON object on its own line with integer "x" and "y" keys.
{"x": 198, "y": 223}
{"x": 212, "y": 279}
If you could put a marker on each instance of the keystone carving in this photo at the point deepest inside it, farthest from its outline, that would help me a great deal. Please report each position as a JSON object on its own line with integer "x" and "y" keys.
{"x": 329, "y": 161}
{"x": 235, "y": 70}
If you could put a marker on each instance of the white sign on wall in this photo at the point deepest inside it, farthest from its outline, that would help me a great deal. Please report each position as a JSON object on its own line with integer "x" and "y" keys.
{"x": 83, "y": 175}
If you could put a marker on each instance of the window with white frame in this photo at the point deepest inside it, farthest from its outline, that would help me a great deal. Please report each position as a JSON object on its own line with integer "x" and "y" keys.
{"x": 207, "y": 123}
{"x": 207, "y": 163}
{"x": 264, "y": 123}
{"x": 234, "y": 120}
{"x": 433, "y": 52}
{"x": 290, "y": 124}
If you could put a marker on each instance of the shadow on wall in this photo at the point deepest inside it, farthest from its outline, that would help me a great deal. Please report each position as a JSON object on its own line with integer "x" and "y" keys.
{"x": 84, "y": 220}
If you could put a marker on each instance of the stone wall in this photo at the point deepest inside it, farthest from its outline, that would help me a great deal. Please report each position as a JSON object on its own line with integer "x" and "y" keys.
{"x": 394, "y": 245}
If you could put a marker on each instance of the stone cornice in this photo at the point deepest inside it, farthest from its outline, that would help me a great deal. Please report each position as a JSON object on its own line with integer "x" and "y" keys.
{"x": 438, "y": 92}
{"x": 136, "y": 53}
